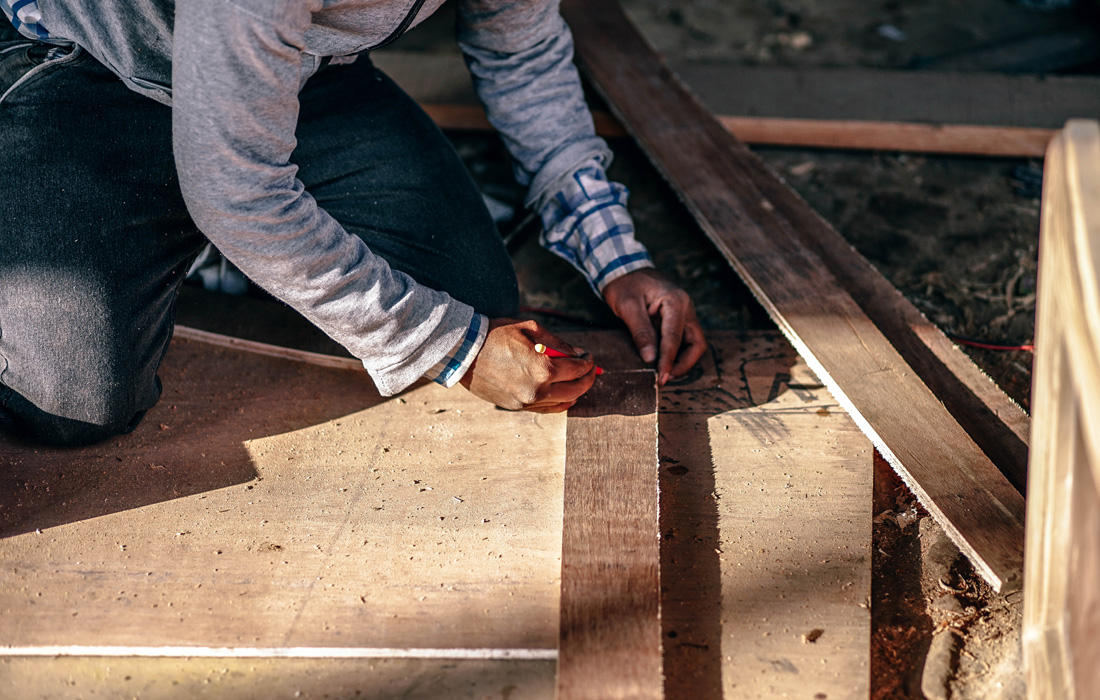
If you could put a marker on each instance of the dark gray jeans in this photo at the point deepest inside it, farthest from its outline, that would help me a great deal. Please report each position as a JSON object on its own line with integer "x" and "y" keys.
{"x": 95, "y": 238}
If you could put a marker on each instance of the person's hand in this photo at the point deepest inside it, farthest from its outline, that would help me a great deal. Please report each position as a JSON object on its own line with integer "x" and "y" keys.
{"x": 657, "y": 311}
{"x": 509, "y": 373}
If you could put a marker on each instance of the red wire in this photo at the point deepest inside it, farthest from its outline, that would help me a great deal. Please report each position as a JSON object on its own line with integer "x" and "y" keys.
{"x": 989, "y": 346}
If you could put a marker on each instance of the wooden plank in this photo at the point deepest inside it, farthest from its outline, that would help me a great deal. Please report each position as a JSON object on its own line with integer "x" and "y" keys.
{"x": 1062, "y": 592}
{"x": 766, "y": 525}
{"x": 271, "y": 507}
{"x": 807, "y": 133}
{"x": 756, "y": 111}
{"x": 610, "y": 643}
{"x": 954, "y": 139}
{"x": 65, "y": 678}
{"x": 864, "y": 94}
{"x": 734, "y": 198}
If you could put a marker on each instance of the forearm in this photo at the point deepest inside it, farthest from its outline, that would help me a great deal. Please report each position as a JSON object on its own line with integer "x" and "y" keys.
{"x": 235, "y": 109}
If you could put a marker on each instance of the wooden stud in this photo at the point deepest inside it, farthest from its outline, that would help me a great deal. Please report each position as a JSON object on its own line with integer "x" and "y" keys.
{"x": 610, "y": 638}
{"x": 816, "y": 109}
{"x": 1062, "y": 591}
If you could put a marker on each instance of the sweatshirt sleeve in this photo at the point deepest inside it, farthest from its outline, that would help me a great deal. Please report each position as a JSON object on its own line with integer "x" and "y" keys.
{"x": 236, "y": 75}
{"x": 520, "y": 55}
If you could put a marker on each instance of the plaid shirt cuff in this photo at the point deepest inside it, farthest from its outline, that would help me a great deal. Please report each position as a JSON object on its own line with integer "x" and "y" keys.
{"x": 455, "y": 363}
{"x": 26, "y": 17}
{"x": 587, "y": 224}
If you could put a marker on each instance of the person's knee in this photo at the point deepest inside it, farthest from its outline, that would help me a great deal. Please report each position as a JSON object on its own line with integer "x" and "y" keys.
{"x": 70, "y": 416}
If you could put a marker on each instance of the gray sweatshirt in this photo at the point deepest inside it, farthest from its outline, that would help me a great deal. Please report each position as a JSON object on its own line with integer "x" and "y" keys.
{"x": 232, "y": 69}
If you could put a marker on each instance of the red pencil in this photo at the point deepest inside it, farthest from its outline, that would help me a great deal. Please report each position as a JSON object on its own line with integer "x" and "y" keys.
{"x": 551, "y": 352}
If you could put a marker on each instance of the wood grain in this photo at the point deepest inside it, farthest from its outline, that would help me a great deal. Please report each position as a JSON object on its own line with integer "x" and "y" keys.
{"x": 766, "y": 530}
{"x": 271, "y": 504}
{"x": 735, "y": 199}
{"x": 181, "y": 493}
{"x": 610, "y": 635}
{"x": 1062, "y": 592}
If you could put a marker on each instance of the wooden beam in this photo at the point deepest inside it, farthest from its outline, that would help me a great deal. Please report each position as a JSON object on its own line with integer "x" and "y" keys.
{"x": 916, "y": 97}
{"x": 954, "y": 139}
{"x": 610, "y": 643}
{"x": 1062, "y": 593}
{"x": 1002, "y": 141}
{"x": 984, "y": 114}
{"x": 755, "y": 222}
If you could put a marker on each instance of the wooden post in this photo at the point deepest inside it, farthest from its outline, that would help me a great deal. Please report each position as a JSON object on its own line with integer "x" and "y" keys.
{"x": 1062, "y": 568}
{"x": 610, "y": 588}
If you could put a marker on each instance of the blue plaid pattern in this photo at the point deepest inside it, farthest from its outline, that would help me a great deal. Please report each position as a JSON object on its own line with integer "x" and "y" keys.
{"x": 588, "y": 225}
{"x": 25, "y": 17}
{"x": 451, "y": 368}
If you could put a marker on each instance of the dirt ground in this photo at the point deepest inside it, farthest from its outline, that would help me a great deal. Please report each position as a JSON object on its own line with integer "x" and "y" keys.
{"x": 958, "y": 236}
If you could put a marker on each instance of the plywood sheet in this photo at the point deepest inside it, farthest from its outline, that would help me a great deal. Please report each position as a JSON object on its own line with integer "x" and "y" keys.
{"x": 766, "y": 522}
{"x": 269, "y": 504}
{"x": 143, "y": 568}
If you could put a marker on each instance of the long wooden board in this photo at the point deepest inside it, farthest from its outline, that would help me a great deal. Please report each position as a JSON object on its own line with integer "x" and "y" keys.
{"x": 610, "y": 638}
{"x": 918, "y": 97}
{"x": 986, "y": 114}
{"x": 813, "y": 133}
{"x": 754, "y": 220}
{"x": 1062, "y": 595}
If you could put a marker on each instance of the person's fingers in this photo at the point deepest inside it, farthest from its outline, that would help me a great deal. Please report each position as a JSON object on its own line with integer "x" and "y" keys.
{"x": 636, "y": 317}
{"x": 566, "y": 391}
{"x": 566, "y": 369}
{"x": 672, "y": 312}
{"x": 691, "y": 349}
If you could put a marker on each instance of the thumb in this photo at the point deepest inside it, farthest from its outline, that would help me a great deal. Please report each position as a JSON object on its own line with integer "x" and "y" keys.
{"x": 550, "y": 340}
